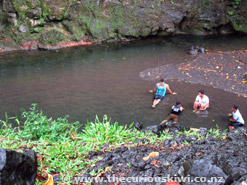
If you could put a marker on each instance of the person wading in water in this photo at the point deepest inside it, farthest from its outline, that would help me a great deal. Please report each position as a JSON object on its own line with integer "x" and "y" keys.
{"x": 160, "y": 92}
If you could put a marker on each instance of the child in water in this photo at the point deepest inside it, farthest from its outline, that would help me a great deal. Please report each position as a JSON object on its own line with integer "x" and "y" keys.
{"x": 175, "y": 112}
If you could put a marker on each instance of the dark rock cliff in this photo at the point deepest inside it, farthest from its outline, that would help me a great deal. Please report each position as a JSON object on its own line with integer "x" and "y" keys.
{"x": 49, "y": 22}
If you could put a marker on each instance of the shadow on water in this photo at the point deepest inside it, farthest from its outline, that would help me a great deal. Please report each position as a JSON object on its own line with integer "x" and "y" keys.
{"x": 84, "y": 82}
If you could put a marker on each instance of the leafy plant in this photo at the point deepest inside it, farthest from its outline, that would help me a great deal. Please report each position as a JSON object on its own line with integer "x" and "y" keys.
{"x": 230, "y": 12}
{"x": 36, "y": 125}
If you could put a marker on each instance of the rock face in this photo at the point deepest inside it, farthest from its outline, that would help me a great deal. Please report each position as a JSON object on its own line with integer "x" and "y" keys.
{"x": 17, "y": 168}
{"x": 117, "y": 20}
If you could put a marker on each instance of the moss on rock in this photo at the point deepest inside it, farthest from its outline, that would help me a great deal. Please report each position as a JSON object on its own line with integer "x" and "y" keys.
{"x": 75, "y": 30}
{"x": 52, "y": 37}
{"x": 119, "y": 19}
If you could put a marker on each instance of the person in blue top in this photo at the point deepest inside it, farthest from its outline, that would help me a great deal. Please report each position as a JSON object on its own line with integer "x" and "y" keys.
{"x": 160, "y": 91}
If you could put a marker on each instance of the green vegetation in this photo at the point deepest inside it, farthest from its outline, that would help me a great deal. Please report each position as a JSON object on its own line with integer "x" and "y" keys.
{"x": 62, "y": 147}
{"x": 230, "y": 12}
{"x": 236, "y": 3}
{"x": 52, "y": 37}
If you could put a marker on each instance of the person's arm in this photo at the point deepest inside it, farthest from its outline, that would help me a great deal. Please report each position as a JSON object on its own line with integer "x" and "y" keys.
{"x": 230, "y": 114}
{"x": 182, "y": 109}
{"x": 207, "y": 103}
{"x": 197, "y": 99}
{"x": 206, "y": 106}
{"x": 168, "y": 88}
{"x": 155, "y": 89}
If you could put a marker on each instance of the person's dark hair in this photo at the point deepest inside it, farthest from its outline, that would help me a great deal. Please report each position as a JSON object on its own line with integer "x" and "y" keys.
{"x": 178, "y": 102}
{"x": 162, "y": 80}
{"x": 235, "y": 107}
{"x": 201, "y": 91}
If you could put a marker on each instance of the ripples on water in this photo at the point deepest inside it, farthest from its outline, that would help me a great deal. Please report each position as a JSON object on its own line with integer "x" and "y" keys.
{"x": 85, "y": 81}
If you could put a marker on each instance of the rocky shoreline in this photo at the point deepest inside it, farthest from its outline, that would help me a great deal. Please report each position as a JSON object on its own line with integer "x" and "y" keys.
{"x": 202, "y": 153}
{"x": 34, "y": 45}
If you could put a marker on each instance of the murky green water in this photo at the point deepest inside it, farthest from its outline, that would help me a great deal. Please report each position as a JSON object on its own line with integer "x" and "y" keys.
{"x": 86, "y": 81}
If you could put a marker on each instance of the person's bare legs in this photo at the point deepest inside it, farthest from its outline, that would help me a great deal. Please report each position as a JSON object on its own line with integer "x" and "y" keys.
{"x": 155, "y": 102}
{"x": 164, "y": 121}
{"x": 230, "y": 128}
{"x": 196, "y": 106}
{"x": 203, "y": 107}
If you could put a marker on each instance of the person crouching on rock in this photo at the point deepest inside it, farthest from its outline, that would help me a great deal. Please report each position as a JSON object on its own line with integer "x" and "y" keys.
{"x": 176, "y": 110}
{"x": 160, "y": 92}
{"x": 236, "y": 119}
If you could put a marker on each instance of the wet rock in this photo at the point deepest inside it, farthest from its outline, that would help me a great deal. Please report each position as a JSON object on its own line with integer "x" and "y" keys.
{"x": 138, "y": 126}
{"x": 238, "y": 134}
{"x": 34, "y": 13}
{"x": 194, "y": 50}
{"x": 17, "y": 168}
{"x": 35, "y": 22}
{"x": 201, "y": 50}
{"x": 92, "y": 154}
{"x": 104, "y": 146}
{"x": 203, "y": 131}
{"x": 201, "y": 142}
{"x": 8, "y": 6}
{"x": 167, "y": 143}
{"x": 177, "y": 127}
{"x": 244, "y": 76}
{"x": 56, "y": 179}
{"x": 52, "y": 37}
{"x": 120, "y": 149}
{"x": 155, "y": 129}
{"x": 203, "y": 168}
{"x": 143, "y": 141}
{"x": 107, "y": 157}
{"x": 138, "y": 165}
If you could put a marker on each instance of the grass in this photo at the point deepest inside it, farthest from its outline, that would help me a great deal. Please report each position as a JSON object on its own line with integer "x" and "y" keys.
{"x": 62, "y": 148}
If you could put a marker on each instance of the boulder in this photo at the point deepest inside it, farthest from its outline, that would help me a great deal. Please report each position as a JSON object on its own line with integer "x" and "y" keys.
{"x": 204, "y": 168}
{"x": 154, "y": 128}
{"x": 138, "y": 126}
{"x": 17, "y": 168}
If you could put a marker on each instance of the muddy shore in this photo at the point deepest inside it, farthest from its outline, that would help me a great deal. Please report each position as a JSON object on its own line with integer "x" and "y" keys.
{"x": 223, "y": 70}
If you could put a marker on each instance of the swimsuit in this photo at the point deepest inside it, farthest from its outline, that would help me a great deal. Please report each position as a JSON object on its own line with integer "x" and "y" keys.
{"x": 160, "y": 93}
